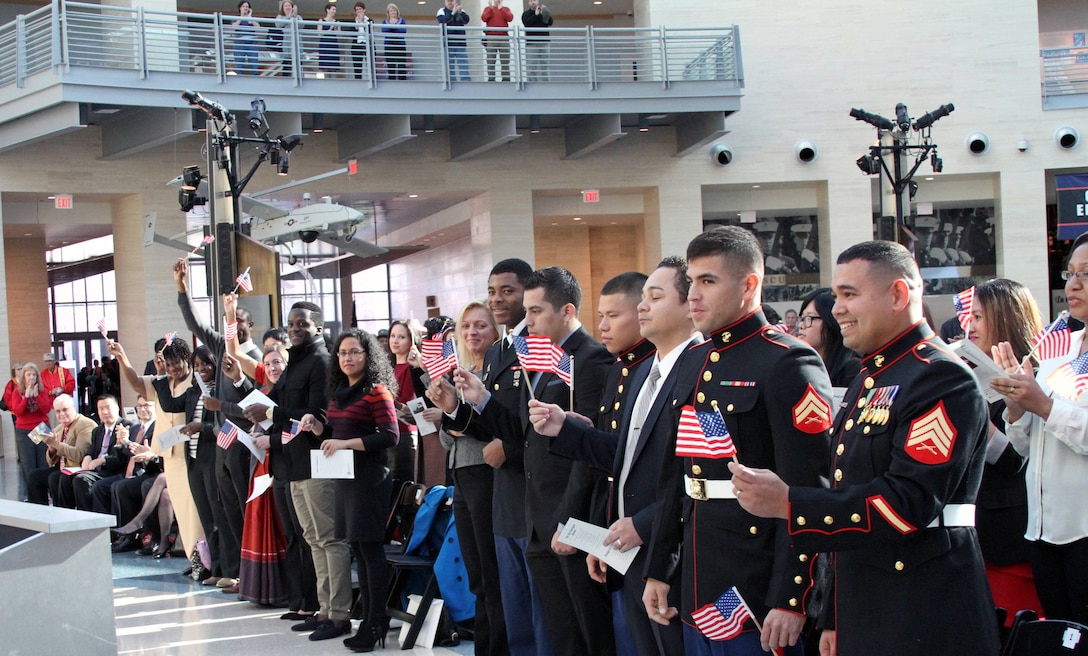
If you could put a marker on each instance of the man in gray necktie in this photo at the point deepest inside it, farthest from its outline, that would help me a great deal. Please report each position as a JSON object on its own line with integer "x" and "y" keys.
{"x": 636, "y": 450}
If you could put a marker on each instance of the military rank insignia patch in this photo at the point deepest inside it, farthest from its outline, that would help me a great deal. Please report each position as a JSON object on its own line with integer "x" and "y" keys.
{"x": 931, "y": 437}
{"x": 812, "y": 414}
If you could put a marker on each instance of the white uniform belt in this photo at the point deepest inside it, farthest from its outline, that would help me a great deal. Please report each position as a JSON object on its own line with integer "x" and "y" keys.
{"x": 955, "y": 514}
{"x": 702, "y": 489}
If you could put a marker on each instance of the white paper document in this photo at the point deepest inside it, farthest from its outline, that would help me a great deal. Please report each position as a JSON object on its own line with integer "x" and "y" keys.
{"x": 257, "y": 397}
{"x": 341, "y": 464}
{"x": 247, "y": 439}
{"x": 260, "y": 486}
{"x": 984, "y": 368}
{"x": 167, "y": 439}
{"x": 417, "y": 406}
{"x": 589, "y": 538}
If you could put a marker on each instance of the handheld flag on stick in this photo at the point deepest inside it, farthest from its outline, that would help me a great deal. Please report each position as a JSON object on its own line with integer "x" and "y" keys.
{"x": 244, "y": 282}
{"x": 964, "y": 303}
{"x": 291, "y": 432}
{"x": 439, "y": 357}
{"x": 1071, "y": 379}
{"x": 703, "y": 435}
{"x": 102, "y": 328}
{"x": 228, "y": 433}
{"x": 724, "y": 619}
{"x": 170, "y": 337}
{"x": 1053, "y": 342}
{"x": 203, "y": 242}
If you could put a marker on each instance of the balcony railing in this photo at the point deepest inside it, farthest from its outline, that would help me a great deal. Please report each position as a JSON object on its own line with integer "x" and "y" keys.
{"x": 1064, "y": 71}
{"x": 66, "y": 35}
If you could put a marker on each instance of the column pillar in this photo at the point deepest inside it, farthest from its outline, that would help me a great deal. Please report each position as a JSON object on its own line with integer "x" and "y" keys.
{"x": 672, "y": 217}
{"x": 1021, "y": 233}
{"x": 504, "y": 229}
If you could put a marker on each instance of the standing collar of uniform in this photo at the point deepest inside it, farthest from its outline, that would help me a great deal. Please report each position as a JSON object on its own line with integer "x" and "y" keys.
{"x": 746, "y": 326}
{"x": 902, "y": 344}
{"x": 636, "y": 353}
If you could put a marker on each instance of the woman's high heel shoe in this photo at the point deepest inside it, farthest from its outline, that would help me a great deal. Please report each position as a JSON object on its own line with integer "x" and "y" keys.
{"x": 369, "y": 635}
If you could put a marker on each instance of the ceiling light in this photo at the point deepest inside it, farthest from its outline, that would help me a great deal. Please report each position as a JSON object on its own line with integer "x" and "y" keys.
{"x": 755, "y": 186}
{"x": 413, "y": 195}
{"x": 577, "y": 218}
{"x": 428, "y": 123}
{"x": 318, "y": 122}
{"x": 534, "y": 124}
{"x": 643, "y": 123}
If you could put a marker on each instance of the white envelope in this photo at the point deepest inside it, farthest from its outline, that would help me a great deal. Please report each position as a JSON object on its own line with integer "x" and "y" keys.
{"x": 167, "y": 439}
{"x": 341, "y": 464}
{"x": 589, "y": 538}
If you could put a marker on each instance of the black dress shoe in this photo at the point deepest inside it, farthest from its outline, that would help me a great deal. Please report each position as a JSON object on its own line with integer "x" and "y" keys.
{"x": 147, "y": 550}
{"x": 331, "y": 629}
{"x": 309, "y": 624}
{"x": 295, "y": 616}
{"x": 125, "y": 543}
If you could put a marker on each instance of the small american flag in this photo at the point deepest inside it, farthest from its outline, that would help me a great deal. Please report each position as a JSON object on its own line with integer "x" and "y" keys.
{"x": 170, "y": 337}
{"x": 565, "y": 369}
{"x": 102, "y": 327}
{"x": 703, "y": 435}
{"x": 964, "y": 303}
{"x": 439, "y": 357}
{"x": 207, "y": 240}
{"x": 724, "y": 619}
{"x": 1053, "y": 341}
{"x": 231, "y": 332}
{"x": 228, "y": 433}
{"x": 291, "y": 432}
{"x": 1071, "y": 379}
{"x": 244, "y": 282}
{"x": 537, "y": 353}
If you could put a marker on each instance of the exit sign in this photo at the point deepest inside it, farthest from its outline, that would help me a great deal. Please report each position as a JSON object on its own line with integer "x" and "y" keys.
{"x": 63, "y": 202}
{"x": 591, "y": 196}
{"x": 353, "y": 166}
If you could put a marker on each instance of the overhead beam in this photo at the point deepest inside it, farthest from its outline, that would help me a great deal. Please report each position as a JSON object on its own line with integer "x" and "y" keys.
{"x": 44, "y": 124}
{"x": 280, "y": 124}
{"x": 693, "y": 131}
{"x": 371, "y": 134}
{"x": 132, "y": 132}
{"x": 587, "y": 134}
{"x": 480, "y": 134}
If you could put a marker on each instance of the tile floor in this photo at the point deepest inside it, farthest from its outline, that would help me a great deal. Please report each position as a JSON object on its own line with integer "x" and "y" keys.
{"x": 159, "y": 612}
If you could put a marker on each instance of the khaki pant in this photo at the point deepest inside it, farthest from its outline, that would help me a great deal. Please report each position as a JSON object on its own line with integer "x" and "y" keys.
{"x": 315, "y": 504}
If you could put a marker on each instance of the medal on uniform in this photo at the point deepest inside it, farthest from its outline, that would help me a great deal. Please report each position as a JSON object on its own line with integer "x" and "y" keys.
{"x": 517, "y": 377}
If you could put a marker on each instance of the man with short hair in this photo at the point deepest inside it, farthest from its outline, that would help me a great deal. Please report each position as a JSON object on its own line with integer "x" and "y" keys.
{"x": 573, "y": 603}
{"x": 634, "y": 450}
{"x": 108, "y": 458}
{"x": 57, "y": 380}
{"x": 124, "y": 498}
{"x": 66, "y": 450}
{"x": 454, "y": 18}
{"x": 766, "y": 393}
{"x": 910, "y": 444}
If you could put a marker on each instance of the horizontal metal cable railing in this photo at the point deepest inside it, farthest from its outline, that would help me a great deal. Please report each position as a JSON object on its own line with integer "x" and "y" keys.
{"x": 1064, "y": 71}
{"x": 76, "y": 34}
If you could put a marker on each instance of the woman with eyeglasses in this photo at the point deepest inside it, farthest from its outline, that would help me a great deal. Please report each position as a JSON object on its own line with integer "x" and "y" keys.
{"x": 1047, "y": 422}
{"x": 361, "y": 417}
{"x": 818, "y": 328}
{"x": 1004, "y": 311}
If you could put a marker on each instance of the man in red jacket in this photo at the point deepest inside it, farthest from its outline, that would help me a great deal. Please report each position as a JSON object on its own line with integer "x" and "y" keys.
{"x": 497, "y": 41}
{"x": 56, "y": 379}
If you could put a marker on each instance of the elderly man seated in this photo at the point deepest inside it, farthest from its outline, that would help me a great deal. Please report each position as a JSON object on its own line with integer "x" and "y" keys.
{"x": 68, "y": 443}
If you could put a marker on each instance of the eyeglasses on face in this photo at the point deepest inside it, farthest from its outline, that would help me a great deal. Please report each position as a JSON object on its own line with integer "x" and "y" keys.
{"x": 806, "y": 320}
{"x": 352, "y": 354}
{"x": 1081, "y": 276}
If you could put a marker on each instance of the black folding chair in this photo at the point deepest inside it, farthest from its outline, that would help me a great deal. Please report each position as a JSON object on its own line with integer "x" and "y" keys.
{"x": 1031, "y": 636}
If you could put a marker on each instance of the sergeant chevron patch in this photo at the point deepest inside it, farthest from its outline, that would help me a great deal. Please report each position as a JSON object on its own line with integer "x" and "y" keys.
{"x": 812, "y": 414}
{"x": 931, "y": 437}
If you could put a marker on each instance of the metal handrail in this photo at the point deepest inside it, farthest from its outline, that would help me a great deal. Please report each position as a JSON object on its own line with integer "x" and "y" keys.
{"x": 153, "y": 42}
{"x": 1064, "y": 71}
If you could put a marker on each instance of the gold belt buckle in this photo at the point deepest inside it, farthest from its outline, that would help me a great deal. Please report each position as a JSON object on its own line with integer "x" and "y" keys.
{"x": 697, "y": 489}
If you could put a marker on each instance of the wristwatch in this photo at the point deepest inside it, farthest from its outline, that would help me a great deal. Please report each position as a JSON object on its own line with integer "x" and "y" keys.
{"x": 268, "y": 415}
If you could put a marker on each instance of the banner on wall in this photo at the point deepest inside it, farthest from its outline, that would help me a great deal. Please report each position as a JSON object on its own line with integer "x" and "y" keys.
{"x": 1072, "y": 205}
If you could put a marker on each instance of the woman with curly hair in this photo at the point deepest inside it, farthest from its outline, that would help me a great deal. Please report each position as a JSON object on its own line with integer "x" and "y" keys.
{"x": 361, "y": 417}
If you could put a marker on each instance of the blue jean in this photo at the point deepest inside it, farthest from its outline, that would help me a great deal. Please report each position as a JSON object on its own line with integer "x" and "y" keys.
{"x": 245, "y": 58}
{"x": 745, "y": 644}
{"x": 524, "y": 621}
{"x": 459, "y": 61}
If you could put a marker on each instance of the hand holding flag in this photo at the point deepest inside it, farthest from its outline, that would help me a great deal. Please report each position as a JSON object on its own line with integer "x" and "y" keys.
{"x": 203, "y": 242}
{"x": 964, "y": 303}
{"x": 102, "y": 328}
{"x": 724, "y": 619}
{"x": 1053, "y": 342}
{"x": 228, "y": 434}
{"x": 439, "y": 357}
{"x": 244, "y": 282}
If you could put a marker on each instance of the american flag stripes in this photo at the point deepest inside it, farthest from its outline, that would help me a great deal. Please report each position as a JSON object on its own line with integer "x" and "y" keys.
{"x": 724, "y": 619}
{"x": 565, "y": 369}
{"x": 102, "y": 327}
{"x": 170, "y": 337}
{"x": 964, "y": 303}
{"x": 1071, "y": 379}
{"x": 244, "y": 282}
{"x": 703, "y": 435}
{"x": 228, "y": 433}
{"x": 439, "y": 357}
{"x": 537, "y": 353}
{"x": 291, "y": 432}
{"x": 1053, "y": 341}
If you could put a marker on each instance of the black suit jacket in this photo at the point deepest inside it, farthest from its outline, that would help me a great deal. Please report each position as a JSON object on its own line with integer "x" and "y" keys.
{"x": 116, "y": 456}
{"x": 554, "y": 490}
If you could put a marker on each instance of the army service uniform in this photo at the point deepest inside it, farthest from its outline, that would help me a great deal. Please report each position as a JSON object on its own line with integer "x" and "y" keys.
{"x": 909, "y": 446}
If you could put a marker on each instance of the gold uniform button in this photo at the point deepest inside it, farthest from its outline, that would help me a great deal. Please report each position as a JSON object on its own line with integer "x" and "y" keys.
{"x": 869, "y": 382}
{"x": 696, "y": 469}
{"x": 801, "y": 522}
{"x": 602, "y": 408}
{"x": 753, "y": 530}
{"x": 715, "y": 356}
{"x": 899, "y": 565}
{"x": 614, "y": 424}
{"x": 829, "y": 520}
{"x": 798, "y": 580}
{"x": 496, "y": 387}
{"x": 855, "y": 518}
{"x": 803, "y": 558}
{"x": 624, "y": 372}
{"x": 865, "y": 430}
{"x": 729, "y": 408}
{"x": 838, "y": 474}
{"x": 793, "y": 602}
{"x": 617, "y": 405}
{"x": 849, "y": 424}
{"x": 700, "y": 397}
{"x": 831, "y": 431}
{"x": 861, "y": 402}
{"x": 620, "y": 390}
{"x": 841, "y": 449}
{"x": 707, "y": 376}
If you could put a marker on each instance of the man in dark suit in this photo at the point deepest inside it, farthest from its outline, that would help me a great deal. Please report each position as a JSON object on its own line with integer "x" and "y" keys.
{"x": 108, "y": 457}
{"x": 573, "y": 603}
{"x": 635, "y": 451}
{"x": 770, "y": 393}
{"x": 910, "y": 445}
{"x": 504, "y": 379}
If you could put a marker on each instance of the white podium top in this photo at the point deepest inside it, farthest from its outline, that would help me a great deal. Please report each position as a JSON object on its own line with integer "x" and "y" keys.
{"x": 47, "y": 519}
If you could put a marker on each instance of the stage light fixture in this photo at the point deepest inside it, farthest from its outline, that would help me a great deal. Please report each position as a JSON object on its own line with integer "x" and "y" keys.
{"x": 191, "y": 176}
{"x": 283, "y": 165}
{"x": 936, "y": 163}
{"x": 868, "y": 164}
